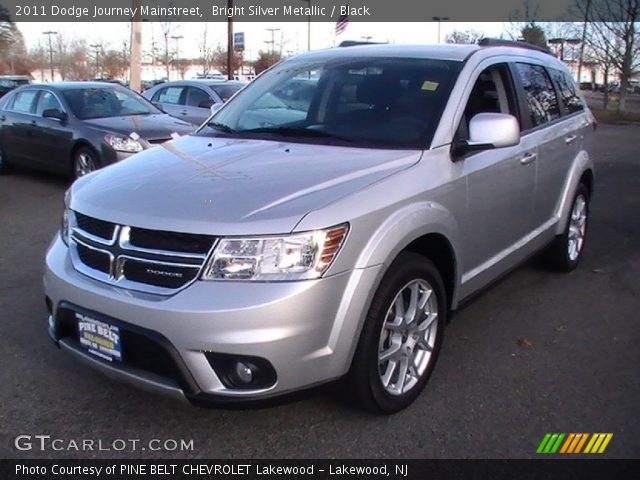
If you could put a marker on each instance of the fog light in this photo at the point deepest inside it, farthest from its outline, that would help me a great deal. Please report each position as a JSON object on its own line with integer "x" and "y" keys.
{"x": 244, "y": 372}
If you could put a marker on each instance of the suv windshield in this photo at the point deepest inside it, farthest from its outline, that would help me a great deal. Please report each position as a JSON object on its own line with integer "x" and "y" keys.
{"x": 384, "y": 102}
{"x": 103, "y": 102}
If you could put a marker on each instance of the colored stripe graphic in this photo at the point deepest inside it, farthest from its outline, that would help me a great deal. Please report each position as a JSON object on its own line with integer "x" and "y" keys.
{"x": 543, "y": 443}
{"x": 572, "y": 443}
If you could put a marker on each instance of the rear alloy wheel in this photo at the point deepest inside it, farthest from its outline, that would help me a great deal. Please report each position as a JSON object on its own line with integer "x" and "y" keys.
{"x": 401, "y": 337}
{"x": 84, "y": 162}
{"x": 566, "y": 250}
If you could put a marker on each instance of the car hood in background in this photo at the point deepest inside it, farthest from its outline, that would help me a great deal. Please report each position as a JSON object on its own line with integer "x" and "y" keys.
{"x": 149, "y": 127}
{"x": 226, "y": 186}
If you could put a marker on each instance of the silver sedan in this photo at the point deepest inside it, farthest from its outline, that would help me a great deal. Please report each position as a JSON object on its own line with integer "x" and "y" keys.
{"x": 191, "y": 100}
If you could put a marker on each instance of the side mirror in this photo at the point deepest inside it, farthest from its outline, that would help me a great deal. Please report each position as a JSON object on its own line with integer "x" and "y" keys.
{"x": 490, "y": 130}
{"x": 205, "y": 104}
{"x": 158, "y": 105}
{"x": 54, "y": 113}
{"x": 215, "y": 107}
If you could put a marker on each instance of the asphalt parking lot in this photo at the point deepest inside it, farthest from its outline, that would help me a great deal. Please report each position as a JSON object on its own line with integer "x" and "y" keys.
{"x": 576, "y": 367}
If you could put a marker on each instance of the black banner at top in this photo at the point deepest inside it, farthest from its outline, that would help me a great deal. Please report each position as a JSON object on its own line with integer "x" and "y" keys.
{"x": 312, "y": 10}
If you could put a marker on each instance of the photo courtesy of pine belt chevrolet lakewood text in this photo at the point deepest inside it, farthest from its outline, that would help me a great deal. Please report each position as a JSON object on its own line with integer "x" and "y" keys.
{"x": 323, "y": 223}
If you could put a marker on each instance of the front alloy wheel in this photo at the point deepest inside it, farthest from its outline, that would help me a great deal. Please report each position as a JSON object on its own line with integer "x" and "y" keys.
{"x": 84, "y": 163}
{"x": 401, "y": 337}
{"x": 408, "y": 337}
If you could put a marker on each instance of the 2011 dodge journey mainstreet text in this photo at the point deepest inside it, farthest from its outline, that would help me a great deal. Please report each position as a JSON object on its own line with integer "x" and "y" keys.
{"x": 323, "y": 223}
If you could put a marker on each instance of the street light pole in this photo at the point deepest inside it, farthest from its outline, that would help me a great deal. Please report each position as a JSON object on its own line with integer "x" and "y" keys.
{"x": 49, "y": 33}
{"x": 439, "y": 20}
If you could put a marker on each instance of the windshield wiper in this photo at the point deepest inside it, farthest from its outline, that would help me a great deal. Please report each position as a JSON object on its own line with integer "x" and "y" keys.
{"x": 221, "y": 126}
{"x": 301, "y": 132}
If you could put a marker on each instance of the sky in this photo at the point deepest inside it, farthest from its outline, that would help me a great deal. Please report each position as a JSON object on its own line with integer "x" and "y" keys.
{"x": 293, "y": 36}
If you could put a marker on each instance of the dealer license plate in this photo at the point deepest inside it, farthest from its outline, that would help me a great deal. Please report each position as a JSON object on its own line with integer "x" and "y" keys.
{"x": 99, "y": 338}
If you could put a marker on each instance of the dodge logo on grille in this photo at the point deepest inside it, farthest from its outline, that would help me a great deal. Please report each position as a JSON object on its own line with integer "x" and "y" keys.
{"x": 164, "y": 273}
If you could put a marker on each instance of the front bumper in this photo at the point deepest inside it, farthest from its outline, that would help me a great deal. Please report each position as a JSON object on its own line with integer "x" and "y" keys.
{"x": 307, "y": 330}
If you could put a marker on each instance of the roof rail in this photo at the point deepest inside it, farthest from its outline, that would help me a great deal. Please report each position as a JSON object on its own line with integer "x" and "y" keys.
{"x": 497, "y": 42}
{"x": 355, "y": 43}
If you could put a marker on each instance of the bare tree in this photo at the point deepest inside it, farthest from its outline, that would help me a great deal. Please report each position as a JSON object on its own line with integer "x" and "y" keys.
{"x": 265, "y": 60}
{"x": 612, "y": 37}
{"x": 72, "y": 59}
{"x": 219, "y": 60}
{"x": 464, "y": 37}
{"x": 207, "y": 52}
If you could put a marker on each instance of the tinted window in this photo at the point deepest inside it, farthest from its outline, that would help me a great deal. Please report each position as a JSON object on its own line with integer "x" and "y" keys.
{"x": 386, "y": 102}
{"x": 170, "y": 95}
{"x": 24, "y": 102}
{"x": 492, "y": 93}
{"x": 47, "y": 101}
{"x": 568, "y": 92}
{"x": 225, "y": 92}
{"x": 88, "y": 103}
{"x": 197, "y": 96}
{"x": 540, "y": 94}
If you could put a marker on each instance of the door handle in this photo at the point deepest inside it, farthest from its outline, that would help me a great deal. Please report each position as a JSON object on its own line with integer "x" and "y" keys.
{"x": 570, "y": 139}
{"x": 3, "y": 118}
{"x": 528, "y": 158}
{"x": 183, "y": 112}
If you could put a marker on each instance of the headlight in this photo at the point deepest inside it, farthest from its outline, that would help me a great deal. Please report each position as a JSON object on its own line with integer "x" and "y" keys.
{"x": 298, "y": 256}
{"x": 65, "y": 227}
{"x": 123, "y": 144}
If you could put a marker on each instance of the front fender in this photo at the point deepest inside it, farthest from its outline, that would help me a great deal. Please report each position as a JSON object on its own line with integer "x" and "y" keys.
{"x": 406, "y": 225}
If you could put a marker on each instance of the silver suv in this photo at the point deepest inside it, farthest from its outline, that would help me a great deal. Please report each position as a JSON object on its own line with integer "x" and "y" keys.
{"x": 303, "y": 237}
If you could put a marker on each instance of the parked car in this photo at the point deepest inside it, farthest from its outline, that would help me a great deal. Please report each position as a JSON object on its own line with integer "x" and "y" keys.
{"x": 10, "y": 82}
{"x": 279, "y": 248}
{"x": 77, "y": 127}
{"x": 191, "y": 100}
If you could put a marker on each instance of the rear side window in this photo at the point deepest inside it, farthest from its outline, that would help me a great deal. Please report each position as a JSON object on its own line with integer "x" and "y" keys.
{"x": 24, "y": 102}
{"x": 568, "y": 93}
{"x": 47, "y": 101}
{"x": 540, "y": 95}
{"x": 170, "y": 95}
{"x": 197, "y": 98}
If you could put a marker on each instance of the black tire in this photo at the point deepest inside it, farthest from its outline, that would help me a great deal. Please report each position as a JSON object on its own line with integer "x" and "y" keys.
{"x": 365, "y": 375}
{"x": 80, "y": 156}
{"x": 557, "y": 254}
{"x": 4, "y": 165}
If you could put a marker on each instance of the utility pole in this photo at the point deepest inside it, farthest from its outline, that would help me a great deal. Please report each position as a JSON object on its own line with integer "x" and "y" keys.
{"x": 49, "y": 33}
{"x": 584, "y": 39}
{"x": 439, "y": 20}
{"x": 308, "y": 26}
{"x": 230, "y": 42}
{"x": 135, "y": 60}
{"x": 273, "y": 39}
{"x": 97, "y": 47}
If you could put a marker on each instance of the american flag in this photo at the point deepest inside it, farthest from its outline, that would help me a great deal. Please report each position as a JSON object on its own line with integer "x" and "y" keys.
{"x": 342, "y": 23}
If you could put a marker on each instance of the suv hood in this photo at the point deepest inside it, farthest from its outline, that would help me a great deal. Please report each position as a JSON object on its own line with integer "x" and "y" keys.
{"x": 149, "y": 127}
{"x": 225, "y": 186}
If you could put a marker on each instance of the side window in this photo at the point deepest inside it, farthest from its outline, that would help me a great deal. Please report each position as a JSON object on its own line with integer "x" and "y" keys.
{"x": 47, "y": 101}
{"x": 539, "y": 92}
{"x": 24, "y": 102}
{"x": 568, "y": 93}
{"x": 171, "y": 95}
{"x": 197, "y": 97}
{"x": 492, "y": 93}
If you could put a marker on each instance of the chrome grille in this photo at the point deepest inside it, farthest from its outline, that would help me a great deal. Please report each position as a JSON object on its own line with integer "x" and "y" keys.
{"x": 153, "y": 261}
